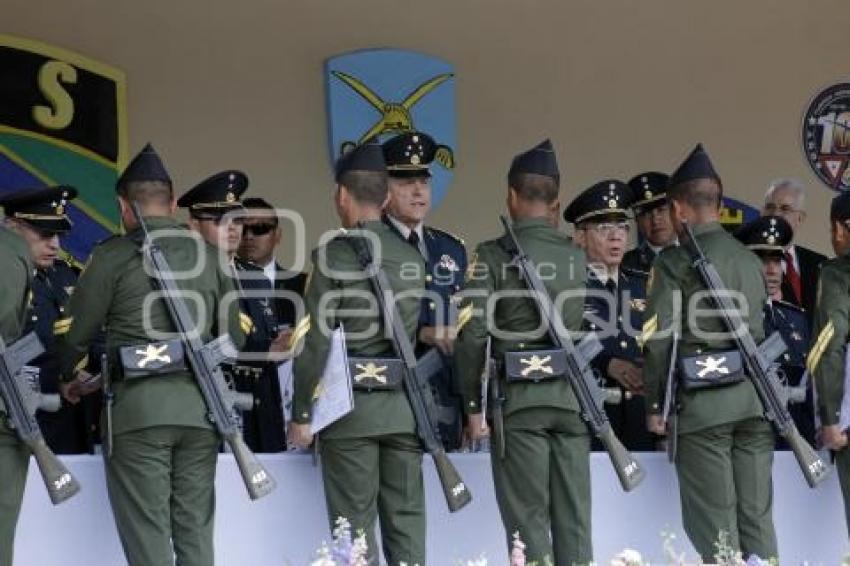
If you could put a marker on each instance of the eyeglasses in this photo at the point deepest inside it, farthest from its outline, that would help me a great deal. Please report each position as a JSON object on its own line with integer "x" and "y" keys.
{"x": 608, "y": 229}
{"x": 258, "y": 229}
{"x": 782, "y": 209}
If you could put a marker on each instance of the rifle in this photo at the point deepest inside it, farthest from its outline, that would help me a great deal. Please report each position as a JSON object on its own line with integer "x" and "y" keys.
{"x": 579, "y": 374}
{"x": 416, "y": 382}
{"x": 21, "y": 402}
{"x": 204, "y": 360}
{"x": 758, "y": 360}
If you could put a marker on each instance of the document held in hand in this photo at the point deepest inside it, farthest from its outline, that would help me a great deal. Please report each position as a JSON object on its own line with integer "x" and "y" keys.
{"x": 334, "y": 394}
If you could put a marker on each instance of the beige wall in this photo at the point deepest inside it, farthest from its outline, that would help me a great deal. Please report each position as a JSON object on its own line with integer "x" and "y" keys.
{"x": 620, "y": 86}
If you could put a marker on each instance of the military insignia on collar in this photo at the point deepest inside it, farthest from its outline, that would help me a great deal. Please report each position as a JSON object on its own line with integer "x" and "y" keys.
{"x": 448, "y": 262}
{"x": 69, "y": 290}
{"x": 638, "y": 304}
{"x": 796, "y": 336}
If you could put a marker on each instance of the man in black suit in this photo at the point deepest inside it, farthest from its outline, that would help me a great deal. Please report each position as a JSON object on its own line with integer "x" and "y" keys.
{"x": 800, "y": 266}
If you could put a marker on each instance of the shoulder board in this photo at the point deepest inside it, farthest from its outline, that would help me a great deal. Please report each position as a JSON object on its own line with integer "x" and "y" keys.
{"x": 438, "y": 232}
{"x": 786, "y": 305}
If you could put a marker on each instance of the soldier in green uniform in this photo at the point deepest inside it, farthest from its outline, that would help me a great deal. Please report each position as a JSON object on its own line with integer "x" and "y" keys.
{"x": 15, "y": 282}
{"x": 371, "y": 458}
{"x": 725, "y": 447}
{"x": 542, "y": 478}
{"x": 38, "y": 215}
{"x": 161, "y": 471}
{"x": 828, "y": 353}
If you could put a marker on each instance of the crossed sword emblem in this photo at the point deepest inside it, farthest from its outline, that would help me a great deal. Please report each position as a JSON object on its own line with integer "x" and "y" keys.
{"x": 712, "y": 365}
{"x": 395, "y": 116}
{"x": 371, "y": 371}
{"x": 536, "y": 363}
{"x": 153, "y": 353}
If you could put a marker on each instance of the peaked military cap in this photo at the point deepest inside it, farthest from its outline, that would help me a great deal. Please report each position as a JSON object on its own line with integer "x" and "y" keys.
{"x": 649, "y": 190}
{"x": 539, "y": 160}
{"x": 409, "y": 154}
{"x": 146, "y": 166}
{"x": 43, "y": 208}
{"x": 604, "y": 199}
{"x": 366, "y": 157}
{"x": 768, "y": 235}
{"x": 215, "y": 195}
{"x": 696, "y": 165}
{"x": 839, "y": 210}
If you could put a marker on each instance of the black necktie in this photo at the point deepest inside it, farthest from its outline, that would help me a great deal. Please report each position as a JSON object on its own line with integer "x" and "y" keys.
{"x": 413, "y": 239}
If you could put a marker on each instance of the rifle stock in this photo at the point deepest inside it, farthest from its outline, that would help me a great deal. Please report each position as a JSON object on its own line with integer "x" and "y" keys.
{"x": 21, "y": 404}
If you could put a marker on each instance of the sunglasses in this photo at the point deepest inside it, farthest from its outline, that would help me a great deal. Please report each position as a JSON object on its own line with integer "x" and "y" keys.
{"x": 258, "y": 229}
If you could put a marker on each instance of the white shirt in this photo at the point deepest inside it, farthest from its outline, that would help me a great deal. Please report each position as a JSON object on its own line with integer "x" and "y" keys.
{"x": 600, "y": 272}
{"x": 270, "y": 271}
{"x": 405, "y": 231}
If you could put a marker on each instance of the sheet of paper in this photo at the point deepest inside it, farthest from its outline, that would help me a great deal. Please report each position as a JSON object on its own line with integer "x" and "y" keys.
{"x": 335, "y": 397}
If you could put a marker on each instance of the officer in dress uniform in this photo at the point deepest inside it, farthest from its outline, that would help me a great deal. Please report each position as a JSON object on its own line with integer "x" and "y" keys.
{"x": 160, "y": 470}
{"x": 271, "y": 298}
{"x": 408, "y": 157}
{"x": 15, "y": 280}
{"x": 614, "y": 306}
{"x": 652, "y": 216}
{"x": 542, "y": 477}
{"x": 768, "y": 238}
{"x": 371, "y": 458}
{"x": 38, "y": 215}
{"x": 724, "y": 453}
{"x": 216, "y": 212}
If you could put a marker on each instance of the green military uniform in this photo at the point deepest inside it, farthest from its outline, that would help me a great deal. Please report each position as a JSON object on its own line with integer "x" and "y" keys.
{"x": 161, "y": 473}
{"x": 371, "y": 458}
{"x": 543, "y": 480}
{"x": 725, "y": 447}
{"x": 14, "y": 457}
{"x": 828, "y": 353}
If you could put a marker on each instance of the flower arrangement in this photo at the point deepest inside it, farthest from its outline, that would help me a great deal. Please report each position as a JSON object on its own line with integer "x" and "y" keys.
{"x": 347, "y": 551}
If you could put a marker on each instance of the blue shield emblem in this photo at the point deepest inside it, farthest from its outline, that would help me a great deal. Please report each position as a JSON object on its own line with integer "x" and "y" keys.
{"x": 378, "y": 93}
{"x": 735, "y": 213}
{"x": 63, "y": 121}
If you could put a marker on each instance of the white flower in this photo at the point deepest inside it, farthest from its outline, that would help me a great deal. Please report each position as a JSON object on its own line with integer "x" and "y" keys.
{"x": 627, "y": 557}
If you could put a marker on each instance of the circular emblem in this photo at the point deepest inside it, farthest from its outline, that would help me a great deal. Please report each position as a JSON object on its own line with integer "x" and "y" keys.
{"x": 414, "y": 159}
{"x": 612, "y": 203}
{"x": 647, "y": 195}
{"x": 826, "y": 136}
{"x": 230, "y": 197}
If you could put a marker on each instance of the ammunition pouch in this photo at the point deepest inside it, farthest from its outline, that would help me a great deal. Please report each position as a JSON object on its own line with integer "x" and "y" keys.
{"x": 152, "y": 359}
{"x": 711, "y": 370}
{"x": 535, "y": 365}
{"x": 376, "y": 374}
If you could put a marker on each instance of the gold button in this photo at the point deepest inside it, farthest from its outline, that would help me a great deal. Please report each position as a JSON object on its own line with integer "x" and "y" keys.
{"x": 305, "y": 415}
{"x": 521, "y": 346}
{"x": 432, "y": 306}
{"x": 429, "y": 278}
{"x": 623, "y": 344}
{"x": 34, "y": 318}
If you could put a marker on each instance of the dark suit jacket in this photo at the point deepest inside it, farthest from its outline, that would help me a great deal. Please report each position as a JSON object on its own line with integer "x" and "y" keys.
{"x": 809, "y": 261}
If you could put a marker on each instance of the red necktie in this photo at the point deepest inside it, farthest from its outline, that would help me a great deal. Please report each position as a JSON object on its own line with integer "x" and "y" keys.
{"x": 793, "y": 276}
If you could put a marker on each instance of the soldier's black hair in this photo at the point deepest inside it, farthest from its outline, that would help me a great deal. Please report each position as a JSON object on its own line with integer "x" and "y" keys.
{"x": 367, "y": 187}
{"x": 534, "y": 187}
{"x": 698, "y": 193}
{"x": 147, "y": 192}
{"x": 260, "y": 203}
